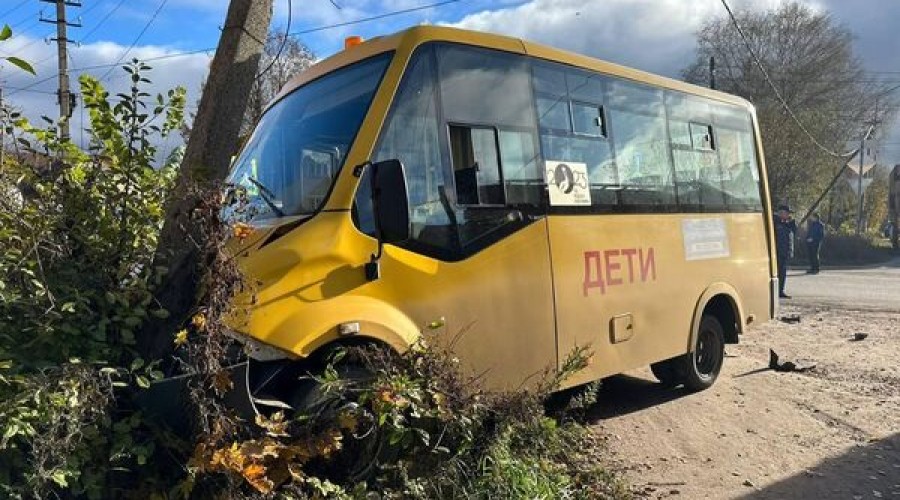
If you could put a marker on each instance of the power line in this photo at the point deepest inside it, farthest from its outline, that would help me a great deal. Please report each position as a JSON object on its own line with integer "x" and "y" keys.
{"x": 37, "y": 22}
{"x": 24, "y": 89}
{"x": 88, "y": 10}
{"x": 775, "y": 88}
{"x": 375, "y": 18}
{"x": 294, "y": 34}
{"x": 103, "y": 20}
{"x": 17, "y": 7}
{"x": 280, "y": 47}
{"x": 136, "y": 39}
{"x": 29, "y": 17}
{"x": 113, "y": 65}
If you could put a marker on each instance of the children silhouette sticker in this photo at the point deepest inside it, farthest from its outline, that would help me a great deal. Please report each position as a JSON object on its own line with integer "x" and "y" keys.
{"x": 568, "y": 183}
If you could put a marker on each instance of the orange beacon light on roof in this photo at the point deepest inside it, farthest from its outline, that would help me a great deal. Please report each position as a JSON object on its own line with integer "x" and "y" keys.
{"x": 352, "y": 41}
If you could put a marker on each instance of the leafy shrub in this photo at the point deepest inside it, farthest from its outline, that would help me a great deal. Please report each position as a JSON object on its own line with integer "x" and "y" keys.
{"x": 845, "y": 249}
{"x": 415, "y": 427}
{"x": 79, "y": 231}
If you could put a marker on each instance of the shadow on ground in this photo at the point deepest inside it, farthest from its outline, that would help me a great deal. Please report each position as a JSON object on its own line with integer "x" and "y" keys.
{"x": 866, "y": 471}
{"x": 624, "y": 394}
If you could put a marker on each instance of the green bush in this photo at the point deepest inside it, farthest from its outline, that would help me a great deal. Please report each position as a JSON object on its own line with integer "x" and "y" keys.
{"x": 845, "y": 249}
{"x": 79, "y": 232}
{"x": 416, "y": 428}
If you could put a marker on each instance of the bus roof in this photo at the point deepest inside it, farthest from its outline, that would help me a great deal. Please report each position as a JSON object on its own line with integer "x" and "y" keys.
{"x": 412, "y": 37}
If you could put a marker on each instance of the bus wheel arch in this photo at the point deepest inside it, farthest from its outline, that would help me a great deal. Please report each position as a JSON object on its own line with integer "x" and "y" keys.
{"x": 285, "y": 380}
{"x": 717, "y": 321}
{"x": 370, "y": 333}
{"x": 699, "y": 368}
{"x": 719, "y": 301}
{"x": 309, "y": 396}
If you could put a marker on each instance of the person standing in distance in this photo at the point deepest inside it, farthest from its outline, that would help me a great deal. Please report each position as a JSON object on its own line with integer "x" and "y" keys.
{"x": 785, "y": 229}
{"x": 815, "y": 233}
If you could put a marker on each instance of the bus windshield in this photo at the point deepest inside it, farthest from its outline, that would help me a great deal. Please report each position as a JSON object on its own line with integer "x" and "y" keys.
{"x": 300, "y": 144}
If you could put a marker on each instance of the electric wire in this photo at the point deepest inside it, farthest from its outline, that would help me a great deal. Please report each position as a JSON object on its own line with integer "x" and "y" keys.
{"x": 778, "y": 95}
{"x": 376, "y": 18}
{"x": 90, "y": 9}
{"x": 29, "y": 17}
{"x": 102, "y": 20}
{"x": 136, "y": 39}
{"x": 294, "y": 34}
{"x": 280, "y": 47}
{"x": 17, "y": 7}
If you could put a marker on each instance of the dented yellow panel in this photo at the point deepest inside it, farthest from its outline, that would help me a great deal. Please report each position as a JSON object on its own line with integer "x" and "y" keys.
{"x": 495, "y": 308}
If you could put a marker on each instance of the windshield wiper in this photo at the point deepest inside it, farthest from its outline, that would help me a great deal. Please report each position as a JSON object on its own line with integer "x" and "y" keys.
{"x": 267, "y": 196}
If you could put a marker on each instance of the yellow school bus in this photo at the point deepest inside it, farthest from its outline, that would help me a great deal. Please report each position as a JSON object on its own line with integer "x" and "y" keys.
{"x": 516, "y": 199}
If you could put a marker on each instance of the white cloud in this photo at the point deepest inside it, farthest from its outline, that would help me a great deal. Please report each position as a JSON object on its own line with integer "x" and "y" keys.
{"x": 39, "y": 98}
{"x": 654, "y": 35}
{"x": 657, "y": 35}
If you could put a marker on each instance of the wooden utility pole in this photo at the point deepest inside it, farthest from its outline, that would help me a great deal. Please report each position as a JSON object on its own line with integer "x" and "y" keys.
{"x": 64, "y": 95}
{"x": 212, "y": 142}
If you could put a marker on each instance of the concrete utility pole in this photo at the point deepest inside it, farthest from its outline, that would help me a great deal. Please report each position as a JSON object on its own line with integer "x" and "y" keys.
{"x": 216, "y": 127}
{"x": 64, "y": 95}
{"x": 859, "y": 185}
{"x": 712, "y": 72}
{"x": 213, "y": 139}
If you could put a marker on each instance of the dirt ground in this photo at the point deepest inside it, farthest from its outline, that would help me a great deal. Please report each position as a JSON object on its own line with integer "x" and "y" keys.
{"x": 830, "y": 433}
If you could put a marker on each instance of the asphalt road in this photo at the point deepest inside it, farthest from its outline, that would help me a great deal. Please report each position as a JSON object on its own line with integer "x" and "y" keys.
{"x": 875, "y": 288}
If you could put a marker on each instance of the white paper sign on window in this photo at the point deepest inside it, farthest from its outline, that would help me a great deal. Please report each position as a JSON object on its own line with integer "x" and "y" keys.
{"x": 568, "y": 183}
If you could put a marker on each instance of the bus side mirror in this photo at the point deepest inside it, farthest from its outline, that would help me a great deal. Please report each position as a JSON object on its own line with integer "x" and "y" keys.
{"x": 390, "y": 203}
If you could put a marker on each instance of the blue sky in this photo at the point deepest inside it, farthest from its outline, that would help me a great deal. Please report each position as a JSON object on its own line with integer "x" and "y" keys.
{"x": 654, "y": 35}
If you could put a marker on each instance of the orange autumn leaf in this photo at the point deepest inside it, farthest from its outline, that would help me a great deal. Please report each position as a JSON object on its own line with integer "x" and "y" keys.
{"x": 255, "y": 474}
{"x": 241, "y": 230}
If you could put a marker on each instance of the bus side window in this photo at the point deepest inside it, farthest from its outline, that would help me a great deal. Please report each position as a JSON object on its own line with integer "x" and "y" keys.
{"x": 491, "y": 134}
{"x": 573, "y": 126}
{"x": 476, "y": 165}
{"x": 411, "y": 135}
{"x": 638, "y": 128}
{"x": 698, "y": 177}
{"x": 737, "y": 154}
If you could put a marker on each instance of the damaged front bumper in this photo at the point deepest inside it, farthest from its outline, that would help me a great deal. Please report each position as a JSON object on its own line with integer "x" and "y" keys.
{"x": 168, "y": 401}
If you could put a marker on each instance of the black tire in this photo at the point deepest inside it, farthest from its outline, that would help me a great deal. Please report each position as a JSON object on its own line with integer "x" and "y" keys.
{"x": 701, "y": 367}
{"x": 359, "y": 460}
{"x": 668, "y": 372}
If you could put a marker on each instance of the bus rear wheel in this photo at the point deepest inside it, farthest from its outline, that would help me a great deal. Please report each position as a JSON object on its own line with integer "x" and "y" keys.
{"x": 698, "y": 369}
{"x": 702, "y": 366}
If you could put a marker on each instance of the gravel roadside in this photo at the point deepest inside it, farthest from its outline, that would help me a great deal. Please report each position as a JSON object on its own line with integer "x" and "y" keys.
{"x": 832, "y": 432}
